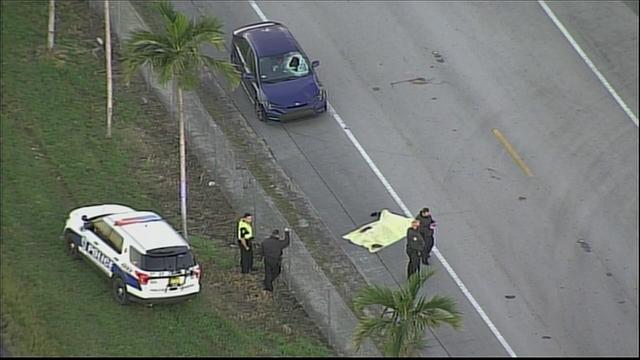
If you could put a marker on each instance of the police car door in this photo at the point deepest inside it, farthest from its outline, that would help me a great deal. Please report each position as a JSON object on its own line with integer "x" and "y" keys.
{"x": 95, "y": 248}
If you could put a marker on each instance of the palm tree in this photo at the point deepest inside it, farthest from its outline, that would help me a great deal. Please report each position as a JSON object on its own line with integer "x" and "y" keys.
{"x": 176, "y": 55}
{"x": 404, "y": 317}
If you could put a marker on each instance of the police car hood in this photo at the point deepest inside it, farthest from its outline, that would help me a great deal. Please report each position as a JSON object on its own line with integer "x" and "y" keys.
{"x": 98, "y": 210}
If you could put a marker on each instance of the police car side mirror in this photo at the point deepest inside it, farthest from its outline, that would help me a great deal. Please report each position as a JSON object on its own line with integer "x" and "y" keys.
{"x": 315, "y": 63}
{"x": 248, "y": 76}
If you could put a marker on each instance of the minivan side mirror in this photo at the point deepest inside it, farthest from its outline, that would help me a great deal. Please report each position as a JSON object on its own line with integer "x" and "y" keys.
{"x": 315, "y": 63}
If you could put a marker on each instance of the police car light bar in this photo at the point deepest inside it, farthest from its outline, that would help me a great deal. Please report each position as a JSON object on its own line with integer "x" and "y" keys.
{"x": 137, "y": 220}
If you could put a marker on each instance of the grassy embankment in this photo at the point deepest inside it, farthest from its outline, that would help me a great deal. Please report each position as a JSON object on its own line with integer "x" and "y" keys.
{"x": 55, "y": 157}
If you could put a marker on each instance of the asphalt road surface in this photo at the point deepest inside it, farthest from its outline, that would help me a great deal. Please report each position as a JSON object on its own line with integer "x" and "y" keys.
{"x": 433, "y": 91}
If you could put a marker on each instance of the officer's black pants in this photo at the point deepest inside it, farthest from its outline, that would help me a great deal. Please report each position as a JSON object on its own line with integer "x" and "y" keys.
{"x": 414, "y": 262}
{"x": 246, "y": 258}
{"x": 428, "y": 245}
{"x": 271, "y": 272}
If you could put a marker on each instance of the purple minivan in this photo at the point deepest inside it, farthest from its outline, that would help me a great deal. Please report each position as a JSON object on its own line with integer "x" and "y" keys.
{"x": 276, "y": 74}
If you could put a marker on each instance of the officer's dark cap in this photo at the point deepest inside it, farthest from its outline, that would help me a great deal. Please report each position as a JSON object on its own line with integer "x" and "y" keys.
{"x": 275, "y": 232}
{"x": 246, "y": 214}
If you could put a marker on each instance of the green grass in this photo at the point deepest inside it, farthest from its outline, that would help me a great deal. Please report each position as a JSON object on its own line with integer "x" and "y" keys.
{"x": 55, "y": 157}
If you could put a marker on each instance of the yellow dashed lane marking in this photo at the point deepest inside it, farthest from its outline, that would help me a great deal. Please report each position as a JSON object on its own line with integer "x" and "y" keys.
{"x": 512, "y": 152}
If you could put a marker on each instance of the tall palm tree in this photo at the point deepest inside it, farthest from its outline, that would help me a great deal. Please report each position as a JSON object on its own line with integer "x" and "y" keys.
{"x": 176, "y": 55}
{"x": 404, "y": 317}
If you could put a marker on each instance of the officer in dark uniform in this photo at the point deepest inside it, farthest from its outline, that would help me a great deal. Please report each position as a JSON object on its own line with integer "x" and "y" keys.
{"x": 245, "y": 239}
{"x": 415, "y": 247}
{"x": 427, "y": 227}
{"x": 272, "y": 251}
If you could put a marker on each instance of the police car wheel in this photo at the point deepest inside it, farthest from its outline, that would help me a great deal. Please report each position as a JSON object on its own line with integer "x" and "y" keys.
{"x": 120, "y": 291}
{"x": 72, "y": 247}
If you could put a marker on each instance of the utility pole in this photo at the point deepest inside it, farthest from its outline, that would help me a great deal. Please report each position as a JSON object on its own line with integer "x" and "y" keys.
{"x": 107, "y": 51}
{"x": 52, "y": 24}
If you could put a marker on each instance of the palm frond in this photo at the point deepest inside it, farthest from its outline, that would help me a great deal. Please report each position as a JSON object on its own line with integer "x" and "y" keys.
{"x": 209, "y": 30}
{"x": 398, "y": 338}
{"x": 224, "y": 68}
{"x": 177, "y": 54}
{"x": 369, "y": 327}
{"x": 416, "y": 281}
{"x": 144, "y": 47}
{"x": 414, "y": 342}
{"x": 167, "y": 11}
{"x": 374, "y": 295}
{"x": 439, "y": 310}
{"x": 410, "y": 315}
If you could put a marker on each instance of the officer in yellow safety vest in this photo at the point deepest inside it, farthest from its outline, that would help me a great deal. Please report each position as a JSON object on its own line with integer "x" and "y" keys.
{"x": 245, "y": 239}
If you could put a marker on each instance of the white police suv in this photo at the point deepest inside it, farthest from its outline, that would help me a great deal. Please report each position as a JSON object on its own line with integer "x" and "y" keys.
{"x": 146, "y": 259}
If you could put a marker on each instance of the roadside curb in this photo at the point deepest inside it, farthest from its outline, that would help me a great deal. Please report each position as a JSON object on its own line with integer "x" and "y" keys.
{"x": 230, "y": 157}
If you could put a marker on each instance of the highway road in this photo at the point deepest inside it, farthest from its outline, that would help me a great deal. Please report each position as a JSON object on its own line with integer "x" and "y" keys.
{"x": 548, "y": 246}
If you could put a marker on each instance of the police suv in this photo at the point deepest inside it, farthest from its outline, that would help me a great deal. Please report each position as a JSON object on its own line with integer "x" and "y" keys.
{"x": 145, "y": 258}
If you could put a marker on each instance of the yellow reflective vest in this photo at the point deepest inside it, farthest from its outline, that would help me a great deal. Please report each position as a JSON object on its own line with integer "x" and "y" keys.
{"x": 245, "y": 230}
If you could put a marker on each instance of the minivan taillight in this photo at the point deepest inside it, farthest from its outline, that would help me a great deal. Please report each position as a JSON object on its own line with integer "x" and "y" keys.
{"x": 196, "y": 272}
{"x": 142, "y": 277}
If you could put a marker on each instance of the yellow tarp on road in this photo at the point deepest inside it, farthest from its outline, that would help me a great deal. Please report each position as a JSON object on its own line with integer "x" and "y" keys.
{"x": 387, "y": 230}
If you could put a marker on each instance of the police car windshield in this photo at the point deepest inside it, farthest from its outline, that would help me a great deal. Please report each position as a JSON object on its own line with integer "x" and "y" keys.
{"x": 172, "y": 262}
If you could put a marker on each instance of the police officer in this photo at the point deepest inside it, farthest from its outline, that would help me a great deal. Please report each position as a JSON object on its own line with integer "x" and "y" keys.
{"x": 415, "y": 247}
{"x": 427, "y": 227}
{"x": 245, "y": 239}
{"x": 272, "y": 250}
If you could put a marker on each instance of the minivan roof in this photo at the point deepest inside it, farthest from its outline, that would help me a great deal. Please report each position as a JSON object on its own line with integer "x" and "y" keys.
{"x": 271, "y": 40}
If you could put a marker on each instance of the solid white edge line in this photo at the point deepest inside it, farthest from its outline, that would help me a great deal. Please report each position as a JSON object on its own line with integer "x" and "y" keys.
{"x": 400, "y": 203}
{"x": 588, "y": 61}
{"x": 257, "y": 10}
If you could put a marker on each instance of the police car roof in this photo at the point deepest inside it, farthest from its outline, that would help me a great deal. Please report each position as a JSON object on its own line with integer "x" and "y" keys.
{"x": 147, "y": 229}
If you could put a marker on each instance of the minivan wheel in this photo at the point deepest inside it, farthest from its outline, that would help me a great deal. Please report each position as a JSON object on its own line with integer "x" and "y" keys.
{"x": 260, "y": 113}
{"x": 119, "y": 290}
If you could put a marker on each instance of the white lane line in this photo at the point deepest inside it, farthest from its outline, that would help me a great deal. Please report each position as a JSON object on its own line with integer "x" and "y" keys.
{"x": 257, "y": 10}
{"x": 400, "y": 203}
{"x": 588, "y": 61}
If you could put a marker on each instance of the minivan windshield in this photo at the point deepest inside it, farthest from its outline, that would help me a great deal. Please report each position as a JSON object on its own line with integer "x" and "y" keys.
{"x": 283, "y": 67}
